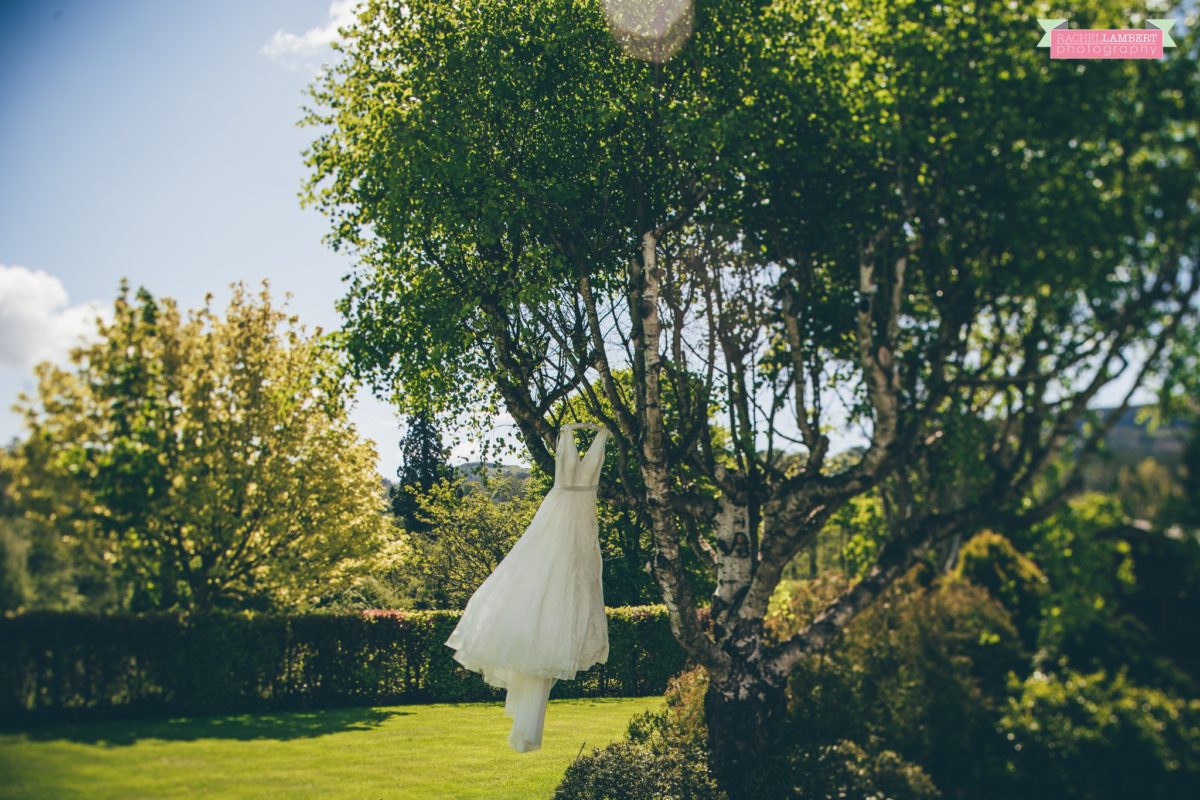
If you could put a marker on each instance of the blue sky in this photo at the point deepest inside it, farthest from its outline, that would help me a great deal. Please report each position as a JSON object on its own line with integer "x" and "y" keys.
{"x": 157, "y": 141}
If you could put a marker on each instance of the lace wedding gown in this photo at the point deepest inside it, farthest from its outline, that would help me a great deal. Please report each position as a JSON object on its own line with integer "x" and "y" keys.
{"x": 539, "y": 617}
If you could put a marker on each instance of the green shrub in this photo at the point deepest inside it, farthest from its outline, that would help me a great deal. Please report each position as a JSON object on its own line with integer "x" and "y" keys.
{"x": 634, "y": 771}
{"x": 681, "y": 720}
{"x": 908, "y": 699}
{"x": 1121, "y": 597}
{"x": 923, "y": 694}
{"x": 846, "y": 771}
{"x": 664, "y": 756}
{"x": 930, "y": 673}
{"x": 990, "y": 561}
{"x": 924, "y": 673}
{"x": 1099, "y": 737}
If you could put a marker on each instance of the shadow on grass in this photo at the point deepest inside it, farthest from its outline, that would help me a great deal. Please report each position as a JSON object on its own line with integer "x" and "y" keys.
{"x": 281, "y": 725}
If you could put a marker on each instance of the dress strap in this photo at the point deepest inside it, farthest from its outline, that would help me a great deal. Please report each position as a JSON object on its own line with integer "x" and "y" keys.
{"x": 591, "y": 426}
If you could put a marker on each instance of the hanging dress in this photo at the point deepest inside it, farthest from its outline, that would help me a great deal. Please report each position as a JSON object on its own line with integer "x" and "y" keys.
{"x": 539, "y": 617}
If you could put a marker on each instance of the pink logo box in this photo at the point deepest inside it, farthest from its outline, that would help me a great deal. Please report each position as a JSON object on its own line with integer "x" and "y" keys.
{"x": 1065, "y": 43}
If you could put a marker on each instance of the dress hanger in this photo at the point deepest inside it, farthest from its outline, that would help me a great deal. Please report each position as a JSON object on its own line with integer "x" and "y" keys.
{"x": 591, "y": 426}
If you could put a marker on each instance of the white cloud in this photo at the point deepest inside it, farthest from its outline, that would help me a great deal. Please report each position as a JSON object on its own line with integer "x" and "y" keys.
{"x": 36, "y": 323}
{"x": 301, "y": 49}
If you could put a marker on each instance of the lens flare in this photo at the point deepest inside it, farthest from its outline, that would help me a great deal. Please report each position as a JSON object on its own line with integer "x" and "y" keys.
{"x": 652, "y": 30}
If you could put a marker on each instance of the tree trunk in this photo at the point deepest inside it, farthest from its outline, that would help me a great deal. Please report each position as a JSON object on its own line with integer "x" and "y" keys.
{"x": 744, "y": 713}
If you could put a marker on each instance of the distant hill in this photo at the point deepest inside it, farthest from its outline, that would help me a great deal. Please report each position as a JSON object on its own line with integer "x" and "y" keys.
{"x": 1128, "y": 438}
{"x": 1129, "y": 443}
{"x": 473, "y": 470}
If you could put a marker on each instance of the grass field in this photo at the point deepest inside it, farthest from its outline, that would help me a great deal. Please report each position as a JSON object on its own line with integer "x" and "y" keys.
{"x": 430, "y": 751}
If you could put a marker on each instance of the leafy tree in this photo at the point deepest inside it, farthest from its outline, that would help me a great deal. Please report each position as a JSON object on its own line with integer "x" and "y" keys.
{"x": 467, "y": 530}
{"x": 15, "y": 581}
{"x": 626, "y": 547}
{"x": 1119, "y": 596}
{"x": 36, "y": 570}
{"x": 387, "y": 583}
{"x": 1148, "y": 489}
{"x": 901, "y": 210}
{"x": 1179, "y": 397}
{"x": 423, "y": 466}
{"x": 1186, "y": 509}
{"x": 200, "y": 461}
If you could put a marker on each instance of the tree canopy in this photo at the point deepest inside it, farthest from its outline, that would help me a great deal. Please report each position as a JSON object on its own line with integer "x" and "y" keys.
{"x": 899, "y": 216}
{"x": 423, "y": 465}
{"x": 200, "y": 460}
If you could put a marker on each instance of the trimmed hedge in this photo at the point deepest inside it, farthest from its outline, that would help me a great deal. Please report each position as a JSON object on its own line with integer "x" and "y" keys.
{"x": 69, "y": 664}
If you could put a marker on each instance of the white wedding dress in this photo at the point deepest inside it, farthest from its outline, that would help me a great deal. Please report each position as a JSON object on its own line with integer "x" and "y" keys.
{"x": 539, "y": 617}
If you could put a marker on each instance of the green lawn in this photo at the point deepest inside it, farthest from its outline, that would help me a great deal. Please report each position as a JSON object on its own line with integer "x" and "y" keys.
{"x": 432, "y": 751}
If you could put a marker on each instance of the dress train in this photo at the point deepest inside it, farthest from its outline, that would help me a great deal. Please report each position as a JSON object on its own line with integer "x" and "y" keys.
{"x": 526, "y": 702}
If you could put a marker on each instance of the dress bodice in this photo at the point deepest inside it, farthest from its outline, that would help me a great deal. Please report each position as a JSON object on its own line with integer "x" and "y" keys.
{"x": 572, "y": 472}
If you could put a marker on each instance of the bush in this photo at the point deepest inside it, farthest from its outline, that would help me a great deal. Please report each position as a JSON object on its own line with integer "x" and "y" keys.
{"x": 930, "y": 672}
{"x": 56, "y": 664}
{"x": 990, "y": 561}
{"x": 923, "y": 696}
{"x": 846, "y": 771}
{"x": 1121, "y": 597}
{"x": 918, "y": 650}
{"x": 634, "y": 771}
{"x": 1100, "y": 737}
{"x": 920, "y": 675}
{"x": 682, "y": 718}
{"x": 664, "y": 756}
